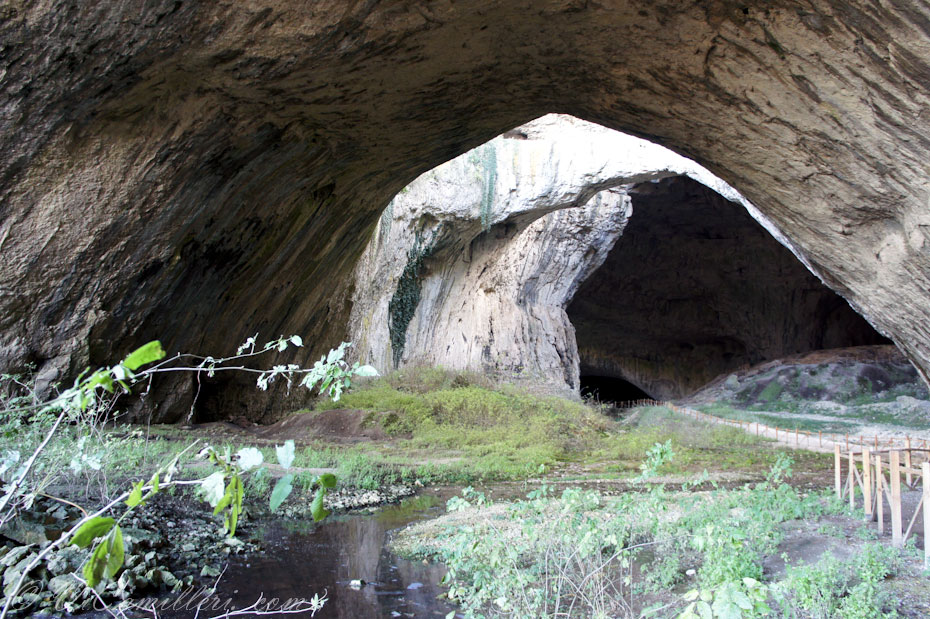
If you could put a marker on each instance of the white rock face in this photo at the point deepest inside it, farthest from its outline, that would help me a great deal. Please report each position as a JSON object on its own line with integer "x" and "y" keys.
{"x": 473, "y": 264}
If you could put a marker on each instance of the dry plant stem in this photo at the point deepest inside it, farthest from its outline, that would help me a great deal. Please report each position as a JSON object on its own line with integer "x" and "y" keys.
{"x": 65, "y": 501}
{"x": 117, "y": 614}
{"x": 22, "y": 477}
{"x": 70, "y": 533}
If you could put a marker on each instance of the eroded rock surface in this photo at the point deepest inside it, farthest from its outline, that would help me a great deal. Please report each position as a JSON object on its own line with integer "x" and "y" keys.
{"x": 198, "y": 173}
{"x": 473, "y": 264}
{"x": 499, "y": 262}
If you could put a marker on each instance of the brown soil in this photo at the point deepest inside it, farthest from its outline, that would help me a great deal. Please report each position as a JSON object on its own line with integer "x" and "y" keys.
{"x": 339, "y": 425}
{"x": 335, "y": 426}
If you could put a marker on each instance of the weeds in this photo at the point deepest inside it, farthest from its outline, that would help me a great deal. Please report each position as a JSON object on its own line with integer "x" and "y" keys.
{"x": 586, "y": 555}
{"x": 833, "y": 588}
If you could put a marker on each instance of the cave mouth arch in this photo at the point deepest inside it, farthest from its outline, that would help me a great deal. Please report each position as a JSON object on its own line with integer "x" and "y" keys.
{"x": 695, "y": 288}
{"x": 614, "y": 258}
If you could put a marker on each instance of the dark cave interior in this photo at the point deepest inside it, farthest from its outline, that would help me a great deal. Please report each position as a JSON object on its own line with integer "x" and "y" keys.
{"x": 695, "y": 288}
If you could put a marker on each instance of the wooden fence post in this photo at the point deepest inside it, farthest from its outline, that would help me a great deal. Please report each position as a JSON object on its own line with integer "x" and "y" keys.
{"x": 907, "y": 461}
{"x": 852, "y": 481}
{"x": 925, "y": 471}
{"x": 895, "y": 472}
{"x": 880, "y": 493}
{"x": 867, "y": 482}
{"x": 837, "y": 476}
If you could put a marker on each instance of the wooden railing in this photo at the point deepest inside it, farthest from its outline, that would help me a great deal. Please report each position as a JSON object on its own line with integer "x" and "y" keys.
{"x": 876, "y": 489}
{"x": 898, "y": 456}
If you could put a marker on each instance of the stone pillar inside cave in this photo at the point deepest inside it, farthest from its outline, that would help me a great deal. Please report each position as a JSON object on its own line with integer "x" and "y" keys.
{"x": 695, "y": 288}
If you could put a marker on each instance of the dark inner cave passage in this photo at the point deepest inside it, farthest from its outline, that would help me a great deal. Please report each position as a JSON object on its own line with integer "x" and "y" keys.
{"x": 610, "y": 389}
{"x": 695, "y": 288}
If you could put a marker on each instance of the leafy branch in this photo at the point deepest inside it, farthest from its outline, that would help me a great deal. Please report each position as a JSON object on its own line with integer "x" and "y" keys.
{"x": 93, "y": 396}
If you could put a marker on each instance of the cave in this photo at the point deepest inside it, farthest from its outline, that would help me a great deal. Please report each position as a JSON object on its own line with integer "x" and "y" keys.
{"x": 610, "y": 389}
{"x": 695, "y": 288}
{"x": 198, "y": 175}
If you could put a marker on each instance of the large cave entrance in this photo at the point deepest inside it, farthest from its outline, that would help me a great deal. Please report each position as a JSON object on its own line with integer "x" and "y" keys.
{"x": 694, "y": 288}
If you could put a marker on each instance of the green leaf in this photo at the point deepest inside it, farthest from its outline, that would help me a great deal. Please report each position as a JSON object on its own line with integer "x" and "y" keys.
{"x": 107, "y": 558}
{"x": 116, "y": 553}
{"x": 91, "y": 530}
{"x": 285, "y": 454}
{"x": 742, "y": 600}
{"x": 704, "y": 610}
{"x": 327, "y": 480}
{"x": 238, "y": 493}
{"x": 135, "y": 497}
{"x": 101, "y": 378}
{"x": 93, "y": 569}
{"x": 249, "y": 458}
{"x": 281, "y": 491}
{"x": 145, "y": 354}
{"x": 225, "y": 501}
{"x": 316, "y": 507}
{"x": 154, "y": 483}
{"x": 231, "y": 521}
{"x": 366, "y": 370}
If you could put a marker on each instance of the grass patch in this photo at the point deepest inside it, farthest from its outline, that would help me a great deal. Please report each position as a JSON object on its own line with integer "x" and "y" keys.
{"x": 697, "y": 445}
{"x": 502, "y": 432}
{"x": 589, "y": 555}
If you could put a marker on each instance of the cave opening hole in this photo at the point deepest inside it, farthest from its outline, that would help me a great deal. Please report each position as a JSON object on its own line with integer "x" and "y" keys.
{"x": 610, "y": 390}
{"x": 650, "y": 268}
{"x": 695, "y": 288}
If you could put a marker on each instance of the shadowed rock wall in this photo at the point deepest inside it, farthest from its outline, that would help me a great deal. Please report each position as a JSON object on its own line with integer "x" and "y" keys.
{"x": 695, "y": 288}
{"x": 198, "y": 172}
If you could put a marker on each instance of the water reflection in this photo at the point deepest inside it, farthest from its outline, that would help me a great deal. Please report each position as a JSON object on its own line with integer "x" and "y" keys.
{"x": 299, "y": 562}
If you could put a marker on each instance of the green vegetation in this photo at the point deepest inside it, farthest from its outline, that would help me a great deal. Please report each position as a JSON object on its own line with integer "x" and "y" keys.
{"x": 657, "y": 553}
{"x": 476, "y": 432}
{"x": 576, "y": 552}
{"x": 81, "y": 412}
{"x": 832, "y": 398}
{"x": 406, "y": 297}
{"x": 834, "y": 588}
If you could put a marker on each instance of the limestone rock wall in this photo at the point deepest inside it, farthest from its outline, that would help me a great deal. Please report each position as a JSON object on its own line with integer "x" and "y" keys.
{"x": 198, "y": 172}
{"x": 473, "y": 264}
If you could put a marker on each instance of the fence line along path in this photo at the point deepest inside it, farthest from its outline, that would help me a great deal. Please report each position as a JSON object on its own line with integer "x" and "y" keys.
{"x": 877, "y": 469}
{"x": 795, "y": 437}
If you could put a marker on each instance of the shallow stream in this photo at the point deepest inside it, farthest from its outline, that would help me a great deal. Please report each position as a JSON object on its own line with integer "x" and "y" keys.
{"x": 300, "y": 559}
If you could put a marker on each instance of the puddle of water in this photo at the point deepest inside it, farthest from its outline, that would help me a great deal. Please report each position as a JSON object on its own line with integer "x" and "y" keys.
{"x": 300, "y": 560}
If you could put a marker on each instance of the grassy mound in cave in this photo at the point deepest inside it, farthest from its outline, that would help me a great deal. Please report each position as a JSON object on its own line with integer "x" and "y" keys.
{"x": 446, "y": 426}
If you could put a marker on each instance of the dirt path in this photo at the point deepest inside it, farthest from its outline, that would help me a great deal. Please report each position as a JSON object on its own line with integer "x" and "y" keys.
{"x": 876, "y": 437}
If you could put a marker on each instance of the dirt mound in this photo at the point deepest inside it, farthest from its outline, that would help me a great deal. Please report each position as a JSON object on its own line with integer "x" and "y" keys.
{"x": 841, "y": 375}
{"x": 338, "y": 425}
{"x": 870, "y": 390}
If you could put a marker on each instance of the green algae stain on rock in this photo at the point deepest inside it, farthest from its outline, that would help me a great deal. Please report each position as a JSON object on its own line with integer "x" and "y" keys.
{"x": 406, "y": 297}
